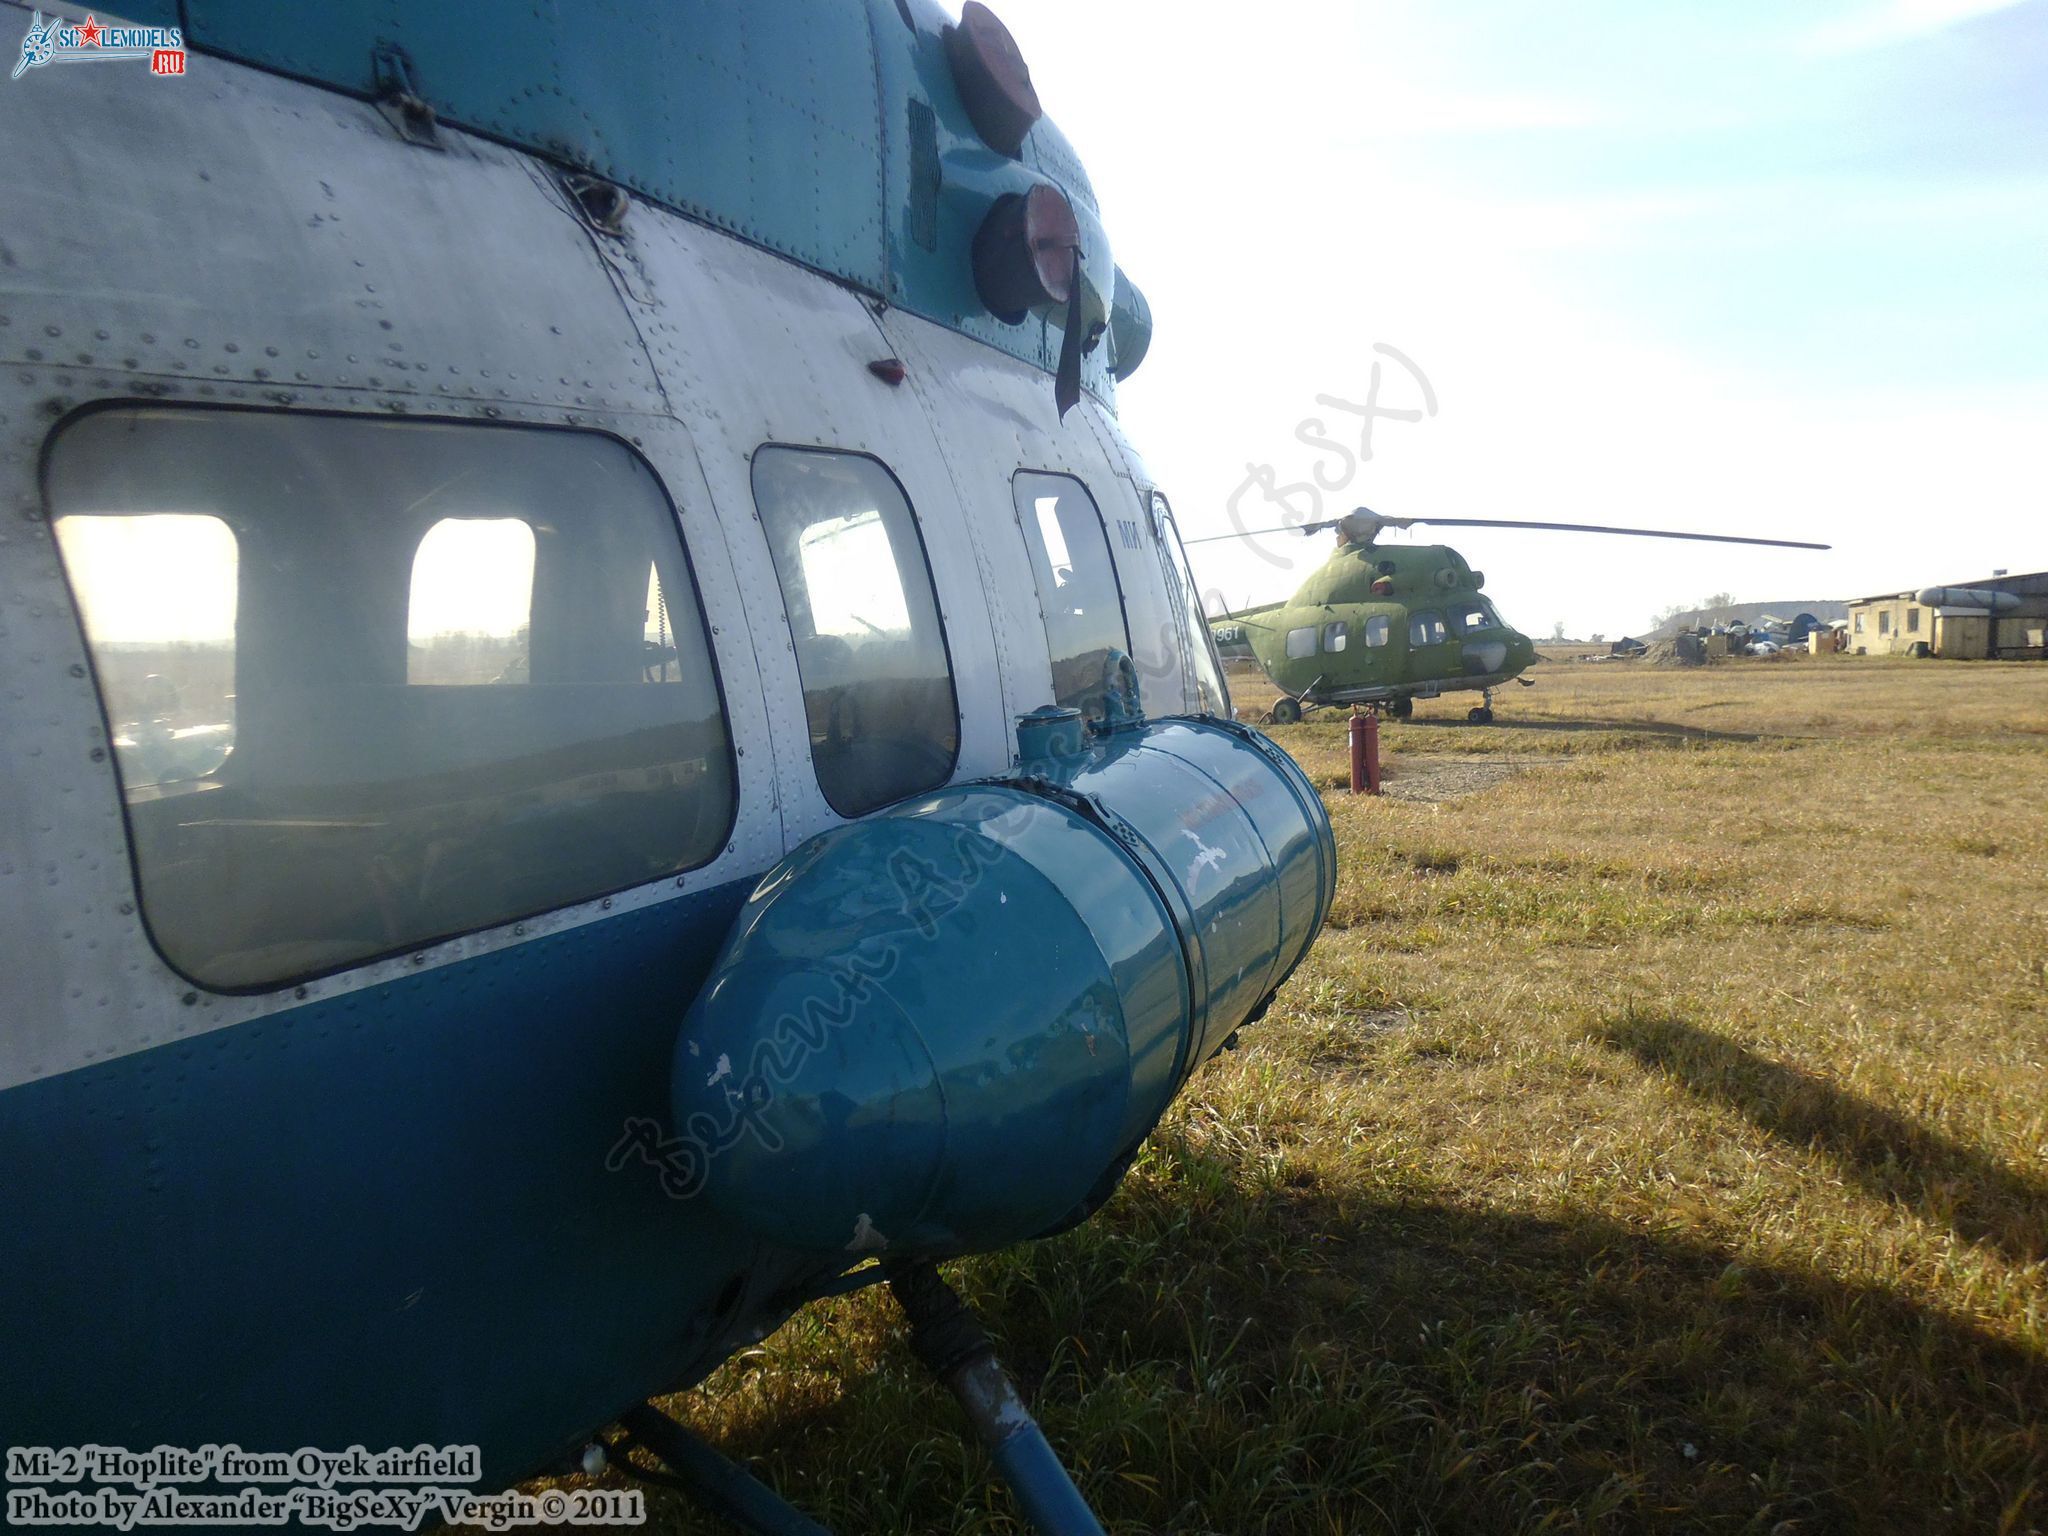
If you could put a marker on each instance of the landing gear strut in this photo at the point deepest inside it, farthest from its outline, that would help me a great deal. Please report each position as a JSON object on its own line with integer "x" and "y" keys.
{"x": 953, "y": 1347}
{"x": 1483, "y": 715}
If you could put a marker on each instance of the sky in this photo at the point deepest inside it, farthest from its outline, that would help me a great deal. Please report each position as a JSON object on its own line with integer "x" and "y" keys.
{"x": 1744, "y": 268}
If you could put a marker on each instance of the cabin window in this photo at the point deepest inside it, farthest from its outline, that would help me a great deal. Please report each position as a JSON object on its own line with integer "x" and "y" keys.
{"x": 878, "y": 685}
{"x": 1912, "y": 621}
{"x": 1335, "y": 635}
{"x": 470, "y": 610}
{"x": 156, "y": 593}
{"x": 304, "y": 628}
{"x": 1301, "y": 642}
{"x": 1476, "y": 616}
{"x": 1377, "y": 630}
{"x": 1426, "y": 628}
{"x": 1078, "y": 595}
{"x": 1205, "y": 693}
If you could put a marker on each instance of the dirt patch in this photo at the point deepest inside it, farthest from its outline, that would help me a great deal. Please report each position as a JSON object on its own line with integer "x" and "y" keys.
{"x": 1445, "y": 778}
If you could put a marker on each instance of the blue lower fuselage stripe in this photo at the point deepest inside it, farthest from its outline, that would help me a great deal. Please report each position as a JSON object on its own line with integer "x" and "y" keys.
{"x": 382, "y": 1218}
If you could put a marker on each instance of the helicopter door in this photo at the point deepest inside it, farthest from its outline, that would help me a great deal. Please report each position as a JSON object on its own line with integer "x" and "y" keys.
{"x": 1432, "y": 648}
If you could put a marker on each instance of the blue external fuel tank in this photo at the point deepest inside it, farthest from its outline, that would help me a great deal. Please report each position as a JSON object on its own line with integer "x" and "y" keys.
{"x": 947, "y": 1026}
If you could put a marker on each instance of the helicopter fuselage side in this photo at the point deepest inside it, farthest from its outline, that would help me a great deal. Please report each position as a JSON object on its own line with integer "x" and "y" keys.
{"x": 367, "y": 1181}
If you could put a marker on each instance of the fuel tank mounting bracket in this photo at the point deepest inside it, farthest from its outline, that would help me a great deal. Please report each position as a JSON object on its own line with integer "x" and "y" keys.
{"x": 399, "y": 98}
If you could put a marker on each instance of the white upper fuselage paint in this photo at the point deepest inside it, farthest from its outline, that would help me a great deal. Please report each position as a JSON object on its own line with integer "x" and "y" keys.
{"x": 235, "y": 238}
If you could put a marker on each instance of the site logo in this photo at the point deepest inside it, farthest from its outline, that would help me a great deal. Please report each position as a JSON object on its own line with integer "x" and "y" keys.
{"x": 60, "y": 42}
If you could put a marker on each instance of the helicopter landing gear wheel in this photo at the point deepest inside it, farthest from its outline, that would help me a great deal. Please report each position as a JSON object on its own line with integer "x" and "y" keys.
{"x": 1287, "y": 711}
{"x": 1400, "y": 709}
{"x": 1483, "y": 715}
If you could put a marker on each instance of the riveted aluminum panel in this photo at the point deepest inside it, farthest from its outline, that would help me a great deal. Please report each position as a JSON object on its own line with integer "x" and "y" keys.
{"x": 994, "y": 418}
{"x": 342, "y": 270}
{"x": 753, "y": 351}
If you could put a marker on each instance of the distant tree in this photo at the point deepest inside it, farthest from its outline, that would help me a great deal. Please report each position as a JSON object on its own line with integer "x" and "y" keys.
{"x": 1598, "y": 638}
{"x": 1720, "y": 600}
{"x": 1557, "y": 630}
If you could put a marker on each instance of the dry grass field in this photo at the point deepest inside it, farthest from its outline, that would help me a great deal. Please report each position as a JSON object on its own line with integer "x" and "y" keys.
{"x": 1657, "y": 1139}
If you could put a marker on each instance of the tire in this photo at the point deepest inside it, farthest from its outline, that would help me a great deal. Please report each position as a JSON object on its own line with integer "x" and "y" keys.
{"x": 1400, "y": 709}
{"x": 1479, "y": 716}
{"x": 1286, "y": 712}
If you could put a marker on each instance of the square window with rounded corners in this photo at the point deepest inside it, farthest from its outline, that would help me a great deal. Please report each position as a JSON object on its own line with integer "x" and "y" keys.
{"x": 1078, "y": 593}
{"x": 1336, "y": 635}
{"x": 1426, "y": 628}
{"x": 1377, "y": 630}
{"x": 1301, "y": 642}
{"x": 870, "y": 650}
{"x": 378, "y": 682}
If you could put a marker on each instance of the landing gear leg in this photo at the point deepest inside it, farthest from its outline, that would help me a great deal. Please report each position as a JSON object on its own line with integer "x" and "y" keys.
{"x": 1483, "y": 715}
{"x": 707, "y": 1477}
{"x": 953, "y": 1347}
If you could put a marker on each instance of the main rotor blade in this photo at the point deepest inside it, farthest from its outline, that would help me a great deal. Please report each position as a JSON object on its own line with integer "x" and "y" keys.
{"x": 1639, "y": 533}
{"x": 1253, "y": 533}
{"x": 1510, "y": 522}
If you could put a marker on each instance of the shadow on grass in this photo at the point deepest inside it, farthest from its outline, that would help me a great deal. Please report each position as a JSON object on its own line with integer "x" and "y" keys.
{"x": 1892, "y": 1156}
{"x": 1423, "y": 1366}
{"x": 1623, "y": 727}
{"x": 1210, "y": 1356}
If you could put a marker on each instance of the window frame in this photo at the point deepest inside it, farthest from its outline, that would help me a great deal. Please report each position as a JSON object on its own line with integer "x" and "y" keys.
{"x": 1416, "y": 616}
{"x": 719, "y": 846}
{"x": 924, "y": 553}
{"x": 1173, "y": 561}
{"x": 1116, "y": 576}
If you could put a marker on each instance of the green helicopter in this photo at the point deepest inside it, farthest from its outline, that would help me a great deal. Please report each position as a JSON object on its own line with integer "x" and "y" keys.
{"x": 1385, "y": 626}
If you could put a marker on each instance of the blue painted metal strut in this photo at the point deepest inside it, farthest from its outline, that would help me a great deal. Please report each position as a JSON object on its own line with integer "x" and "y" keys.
{"x": 952, "y": 1344}
{"x": 722, "y": 1486}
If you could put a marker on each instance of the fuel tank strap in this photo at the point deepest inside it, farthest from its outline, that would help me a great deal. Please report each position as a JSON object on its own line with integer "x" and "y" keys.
{"x": 1093, "y": 810}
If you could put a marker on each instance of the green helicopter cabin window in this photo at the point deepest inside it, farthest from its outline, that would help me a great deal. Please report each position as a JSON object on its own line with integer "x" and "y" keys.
{"x": 1377, "y": 630}
{"x": 1426, "y": 628}
{"x": 373, "y": 683}
{"x": 1301, "y": 642}
{"x": 1078, "y": 593}
{"x": 870, "y": 650}
{"x": 1476, "y": 616}
{"x": 1336, "y": 635}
